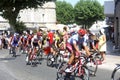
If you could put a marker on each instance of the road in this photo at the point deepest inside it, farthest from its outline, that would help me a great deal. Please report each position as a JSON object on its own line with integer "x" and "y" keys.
{"x": 16, "y": 69}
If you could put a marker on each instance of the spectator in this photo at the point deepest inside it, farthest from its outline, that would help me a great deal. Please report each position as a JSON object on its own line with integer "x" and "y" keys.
{"x": 102, "y": 44}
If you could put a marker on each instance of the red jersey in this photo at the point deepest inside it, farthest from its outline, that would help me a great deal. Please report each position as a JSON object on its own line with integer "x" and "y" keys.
{"x": 50, "y": 36}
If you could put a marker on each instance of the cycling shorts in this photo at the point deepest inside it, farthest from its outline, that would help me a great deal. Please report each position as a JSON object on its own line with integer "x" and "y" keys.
{"x": 15, "y": 44}
{"x": 72, "y": 49}
{"x": 35, "y": 44}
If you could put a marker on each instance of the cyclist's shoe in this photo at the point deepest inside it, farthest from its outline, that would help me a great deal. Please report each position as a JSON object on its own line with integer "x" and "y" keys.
{"x": 89, "y": 58}
{"x": 21, "y": 51}
{"x": 28, "y": 63}
{"x": 52, "y": 59}
{"x": 92, "y": 74}
{"x": 68, "y": 69}
{"x": 14, "y": 56}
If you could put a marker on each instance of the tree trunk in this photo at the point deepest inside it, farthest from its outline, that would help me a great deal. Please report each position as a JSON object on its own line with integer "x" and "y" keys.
{"x": 12, "y": 23}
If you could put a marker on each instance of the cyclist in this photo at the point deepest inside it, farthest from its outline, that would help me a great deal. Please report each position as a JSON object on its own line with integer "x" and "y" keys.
{"x": 75, "y": 44}
{"x": 50, "y": 37}
{"x": 92, "y": 41}
{"x": 39, "y": 35}
{"x": 35, "y": 44}
{"x": 14, "y": 42}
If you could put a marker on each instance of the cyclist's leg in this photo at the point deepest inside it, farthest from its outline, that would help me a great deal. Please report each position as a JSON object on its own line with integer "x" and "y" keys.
{"x": 72, "y": 57}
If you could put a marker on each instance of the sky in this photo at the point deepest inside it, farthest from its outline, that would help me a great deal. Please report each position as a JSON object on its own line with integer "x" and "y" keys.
{"x": 73, "y": 2}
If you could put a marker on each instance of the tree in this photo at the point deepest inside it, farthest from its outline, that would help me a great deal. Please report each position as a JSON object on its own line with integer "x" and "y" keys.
{"x": 64, "y": 12}
{"x": 87, "y": 12}
{"x": 20, "y": 27}
{"x": 11, "y": 8}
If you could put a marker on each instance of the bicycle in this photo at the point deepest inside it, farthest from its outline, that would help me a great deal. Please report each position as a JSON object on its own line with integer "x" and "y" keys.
{"x": 58, "y": 58}
{"x": 63, "y": 54}
{"x": 34, "y": 57}
{"x": 39, "y": 55}
{"x": 93, "y": 62}
{"x": 78, "y": 70}
{"x": 52, "y": 59}
{"x": 116, "y": 73}
{"x": 13, "y": 50}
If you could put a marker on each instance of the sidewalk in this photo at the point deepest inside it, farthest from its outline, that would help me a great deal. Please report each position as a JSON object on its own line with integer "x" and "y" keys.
{"x": 112, "y": 57}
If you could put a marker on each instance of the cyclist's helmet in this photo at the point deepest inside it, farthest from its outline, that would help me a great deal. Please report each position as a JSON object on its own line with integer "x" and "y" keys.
{"x": 16, "y": 34}
{"x": 82, "y": 32}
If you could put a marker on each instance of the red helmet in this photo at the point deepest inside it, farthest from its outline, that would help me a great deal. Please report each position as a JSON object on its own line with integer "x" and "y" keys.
{"x": 81, "y": 32}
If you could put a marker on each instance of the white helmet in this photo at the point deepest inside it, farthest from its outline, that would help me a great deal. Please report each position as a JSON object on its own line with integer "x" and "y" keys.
{"x": 35, "y": 37}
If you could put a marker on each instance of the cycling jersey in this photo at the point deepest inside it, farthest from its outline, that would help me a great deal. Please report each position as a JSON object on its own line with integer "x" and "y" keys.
{"x": 29, "y": 38}
{"x": 75, "y": 39}
{"x": 50, "y": 37}
{"x": 39, "y": 35}
{"x": 35, "y": 41}
{"x": 15, "y": 41}
{"x": 25, "y": 40}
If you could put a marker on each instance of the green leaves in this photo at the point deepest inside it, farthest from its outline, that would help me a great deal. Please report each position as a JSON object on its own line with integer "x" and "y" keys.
{"x": 85, "y": 12}
{"x": 88, "y": 11}
{"x": 10, "y": 8}
{"x": 64, "y": 12}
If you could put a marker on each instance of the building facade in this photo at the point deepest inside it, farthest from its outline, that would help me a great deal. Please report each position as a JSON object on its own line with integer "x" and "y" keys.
{"x": 44, "y": 16}
{"x": 109, "y": 11}
{"x": 117, "y": 23}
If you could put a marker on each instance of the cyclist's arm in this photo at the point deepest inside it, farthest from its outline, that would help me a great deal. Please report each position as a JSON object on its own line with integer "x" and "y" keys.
{"x": 56, "y": 43}
{"x": 32, "y": 42}
{"x": 39, "y": 43}
{"x": 93, "y": 46}
{"x": 86, "y": 48}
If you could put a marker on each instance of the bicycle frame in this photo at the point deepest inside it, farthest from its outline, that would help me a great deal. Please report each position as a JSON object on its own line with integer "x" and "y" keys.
{"x": 77, "y": 67}
{"x": 33, "y": 54}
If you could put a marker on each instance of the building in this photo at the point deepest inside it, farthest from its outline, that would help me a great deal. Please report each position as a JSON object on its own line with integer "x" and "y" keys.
{"x": 3, "y": 24}
{"x": 109, "y": 11}
{"x": 117, "y": 23}
{"x": 112, "y": 11}
{"x": 44, "y": 16}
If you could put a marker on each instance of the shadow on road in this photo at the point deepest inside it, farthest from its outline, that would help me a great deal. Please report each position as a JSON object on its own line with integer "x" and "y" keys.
{"x": 4, "y": 59}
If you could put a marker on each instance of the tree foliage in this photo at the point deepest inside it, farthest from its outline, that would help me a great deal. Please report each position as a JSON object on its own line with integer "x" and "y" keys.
{"x": 10, "y": 8}
{"x": 64, "y": 12}
{"x": 20, "y": 27}
{"x": 87, "y": 12}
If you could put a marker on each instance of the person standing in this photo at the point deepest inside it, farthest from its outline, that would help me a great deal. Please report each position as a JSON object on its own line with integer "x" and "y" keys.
{"x": 102, "y": 44}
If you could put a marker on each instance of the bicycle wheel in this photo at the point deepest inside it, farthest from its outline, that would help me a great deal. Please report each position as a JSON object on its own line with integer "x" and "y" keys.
{"x": 92, "y": 66}
{"x": 116, "y": 73}
{"x": 61, "y": 71}
{"x": 27, "y": 60}
{"x": 14, "y": 51}
{"x": 39, "y": 56}
{"x": 49, "y": 59}
{"x": 98, "y": 57}
{"x": 84, "y": 74}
